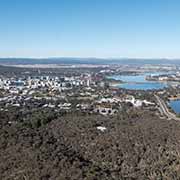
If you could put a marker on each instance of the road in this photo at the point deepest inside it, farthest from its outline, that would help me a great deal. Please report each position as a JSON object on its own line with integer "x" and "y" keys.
{"x": 165, "y": 110}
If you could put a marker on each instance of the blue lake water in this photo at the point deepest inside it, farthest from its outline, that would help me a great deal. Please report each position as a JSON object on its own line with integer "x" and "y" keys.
{"x": 139, "y": 82}
{"x": 175, "y": 105}
{"x": 143, "y": 86}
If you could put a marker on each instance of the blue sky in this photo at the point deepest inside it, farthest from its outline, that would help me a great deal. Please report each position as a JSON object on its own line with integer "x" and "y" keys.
{"x": 90, "y": 28}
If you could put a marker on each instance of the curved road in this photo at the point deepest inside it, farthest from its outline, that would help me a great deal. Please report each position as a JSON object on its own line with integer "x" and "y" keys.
{"x": 165, "y": 110}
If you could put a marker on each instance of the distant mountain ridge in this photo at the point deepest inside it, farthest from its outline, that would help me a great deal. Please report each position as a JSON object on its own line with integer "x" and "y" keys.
{"x": 66, "y": 60}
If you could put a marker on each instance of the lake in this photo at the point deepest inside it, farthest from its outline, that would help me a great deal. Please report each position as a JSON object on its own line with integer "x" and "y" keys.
{"x": 175, "y": 105}
{"x": 139, "y": 82}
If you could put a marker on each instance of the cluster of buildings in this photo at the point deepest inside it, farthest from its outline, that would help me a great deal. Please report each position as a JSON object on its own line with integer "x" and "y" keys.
{"x": 86, "y": 93}
{"x": 57, "y": 83}
{"x": 165, "y": 77}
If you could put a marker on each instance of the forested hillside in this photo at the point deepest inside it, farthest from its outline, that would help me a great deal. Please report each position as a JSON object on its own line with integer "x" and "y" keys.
{"x": 133, "y": 146}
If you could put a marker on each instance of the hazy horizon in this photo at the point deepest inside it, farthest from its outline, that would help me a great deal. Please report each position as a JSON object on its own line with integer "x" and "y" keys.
{"x": 88, "y": 57}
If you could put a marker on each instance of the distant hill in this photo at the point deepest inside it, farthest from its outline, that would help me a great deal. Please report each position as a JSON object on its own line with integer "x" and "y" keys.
{"x": 62, "y": 60}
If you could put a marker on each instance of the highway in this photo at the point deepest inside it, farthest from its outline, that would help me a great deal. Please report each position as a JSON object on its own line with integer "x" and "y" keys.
{"x": 165, "y": 110}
